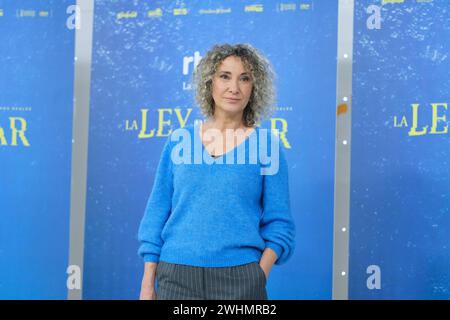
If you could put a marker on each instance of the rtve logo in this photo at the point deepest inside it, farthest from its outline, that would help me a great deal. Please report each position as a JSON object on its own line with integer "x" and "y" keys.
{"x": 188, "y": 60}
{"x": 189, "y": 65}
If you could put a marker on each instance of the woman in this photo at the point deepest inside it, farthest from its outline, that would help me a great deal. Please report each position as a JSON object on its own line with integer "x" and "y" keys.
{"x": 214, "y": 231}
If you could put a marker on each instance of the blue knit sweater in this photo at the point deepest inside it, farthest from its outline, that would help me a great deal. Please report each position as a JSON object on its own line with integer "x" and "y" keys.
{"x": 216, "y": 213}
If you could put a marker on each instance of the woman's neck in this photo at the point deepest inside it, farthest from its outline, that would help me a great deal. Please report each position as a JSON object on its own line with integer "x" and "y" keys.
{"x": 223, "y": 125}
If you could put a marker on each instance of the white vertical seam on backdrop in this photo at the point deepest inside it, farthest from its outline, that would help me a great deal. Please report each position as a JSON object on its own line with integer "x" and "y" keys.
{"x": 342, "y": 150}
{"x": 80, "y": 131}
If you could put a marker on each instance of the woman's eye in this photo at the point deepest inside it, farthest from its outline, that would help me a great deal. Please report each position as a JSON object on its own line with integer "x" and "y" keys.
{"x": 224, "y": 76}
{"x": 246, "y": 79}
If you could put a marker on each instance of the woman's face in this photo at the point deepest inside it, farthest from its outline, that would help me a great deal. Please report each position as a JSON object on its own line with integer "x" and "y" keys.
{"x": 232, "y": 86}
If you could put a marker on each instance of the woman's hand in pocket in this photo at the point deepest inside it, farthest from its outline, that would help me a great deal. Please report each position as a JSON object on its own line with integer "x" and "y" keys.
{"x": 148, "y": 282}
{"x": 147, "y": 293}
{"x": 268, "y": 258}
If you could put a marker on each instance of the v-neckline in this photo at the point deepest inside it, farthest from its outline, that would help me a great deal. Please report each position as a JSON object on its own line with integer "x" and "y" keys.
{"x": 199, "y": 134}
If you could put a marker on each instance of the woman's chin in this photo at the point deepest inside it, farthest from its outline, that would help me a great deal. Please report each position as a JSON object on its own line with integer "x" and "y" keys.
{"x": 232, "y": 108}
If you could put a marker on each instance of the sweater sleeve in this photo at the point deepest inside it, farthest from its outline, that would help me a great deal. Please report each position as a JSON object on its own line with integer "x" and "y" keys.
{"x": 158, "y": 208}
{"x": 277, "y": 226}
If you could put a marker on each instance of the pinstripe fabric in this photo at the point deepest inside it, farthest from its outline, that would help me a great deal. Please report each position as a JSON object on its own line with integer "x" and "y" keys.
{"x": 182, "y": 282}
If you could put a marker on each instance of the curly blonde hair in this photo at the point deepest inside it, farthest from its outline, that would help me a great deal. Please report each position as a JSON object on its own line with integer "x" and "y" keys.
{"x": 260, "y": 104}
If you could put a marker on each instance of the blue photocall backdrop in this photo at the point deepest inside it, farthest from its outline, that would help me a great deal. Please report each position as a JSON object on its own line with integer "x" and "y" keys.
{"x": 400, "y": 186}
{"x": 144, "y": 54}
{"x": 143, "y": 58}
{"x": 36, "y": 105}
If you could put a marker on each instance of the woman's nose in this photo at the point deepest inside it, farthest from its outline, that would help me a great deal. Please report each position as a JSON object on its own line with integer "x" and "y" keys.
{"x": 234, "y": 87}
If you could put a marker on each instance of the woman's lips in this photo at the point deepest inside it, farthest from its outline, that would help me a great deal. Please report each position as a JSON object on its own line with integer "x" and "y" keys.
{"x": 232, "y": 100}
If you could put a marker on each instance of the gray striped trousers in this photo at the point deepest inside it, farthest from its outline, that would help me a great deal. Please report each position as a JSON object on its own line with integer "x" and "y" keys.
{"x": 183, "y": 282}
